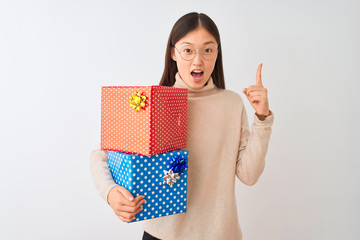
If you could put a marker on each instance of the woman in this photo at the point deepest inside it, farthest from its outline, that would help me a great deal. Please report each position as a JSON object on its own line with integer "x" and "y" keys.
{"x": 218, "y": 139}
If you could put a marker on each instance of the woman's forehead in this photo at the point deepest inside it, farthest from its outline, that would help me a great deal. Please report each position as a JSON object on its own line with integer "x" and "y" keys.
{"x": 199, "y": 36}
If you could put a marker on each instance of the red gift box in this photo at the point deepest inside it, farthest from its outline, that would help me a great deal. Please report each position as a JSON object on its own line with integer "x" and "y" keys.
{"x": 143, "y": 120}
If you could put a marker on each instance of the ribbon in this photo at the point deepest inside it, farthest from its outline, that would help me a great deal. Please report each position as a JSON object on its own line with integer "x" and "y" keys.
{"x": 137, "y": 101}
{"x": 170, "y": 177}
{"x": 178, "y": 165}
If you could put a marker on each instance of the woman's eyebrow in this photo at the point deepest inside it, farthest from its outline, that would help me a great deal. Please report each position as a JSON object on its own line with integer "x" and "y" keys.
{"x": 205, "y": 43}
{"x": 209, "y": 42}
{"x": 185, "y": 43}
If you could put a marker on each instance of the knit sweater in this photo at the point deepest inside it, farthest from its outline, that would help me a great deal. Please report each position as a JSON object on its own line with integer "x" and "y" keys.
{"x": 220, "y": 147}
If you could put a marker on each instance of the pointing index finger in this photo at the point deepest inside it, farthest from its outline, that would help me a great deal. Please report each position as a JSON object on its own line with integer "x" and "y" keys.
{"x": 258, "y": 75}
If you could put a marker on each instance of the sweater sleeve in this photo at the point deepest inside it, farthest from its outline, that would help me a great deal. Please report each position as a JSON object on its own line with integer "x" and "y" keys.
{"x": 252, "y": 148}
{"x": 101, "y": 173}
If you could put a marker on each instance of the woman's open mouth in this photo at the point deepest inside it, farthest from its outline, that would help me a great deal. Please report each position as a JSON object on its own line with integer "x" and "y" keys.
{"x": 197, "y": 75}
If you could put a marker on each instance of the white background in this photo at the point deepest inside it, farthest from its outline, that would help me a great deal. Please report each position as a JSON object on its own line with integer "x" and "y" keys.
{"x": 56, "y": 55}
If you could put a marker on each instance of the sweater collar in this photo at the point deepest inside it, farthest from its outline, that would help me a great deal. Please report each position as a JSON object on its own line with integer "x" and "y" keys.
{"x": 208, "y": 89}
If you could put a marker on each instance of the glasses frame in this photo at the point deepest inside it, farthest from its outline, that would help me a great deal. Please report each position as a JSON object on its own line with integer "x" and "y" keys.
{"x": 200, "y": 52}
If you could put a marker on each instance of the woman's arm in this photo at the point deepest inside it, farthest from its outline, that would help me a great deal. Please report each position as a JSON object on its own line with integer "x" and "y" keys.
{"x": 101, "y": 173}
{"x": 252, "y": 148}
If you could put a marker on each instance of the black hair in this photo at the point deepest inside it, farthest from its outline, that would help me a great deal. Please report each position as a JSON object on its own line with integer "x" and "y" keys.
{"x": 183, "y": 26}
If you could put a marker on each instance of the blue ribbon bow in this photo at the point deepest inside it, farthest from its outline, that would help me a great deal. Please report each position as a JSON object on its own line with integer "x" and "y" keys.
{"x": 178, "y": 164}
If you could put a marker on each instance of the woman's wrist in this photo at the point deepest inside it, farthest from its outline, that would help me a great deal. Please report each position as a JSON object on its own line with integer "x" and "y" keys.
{"x": 263, "y": 117}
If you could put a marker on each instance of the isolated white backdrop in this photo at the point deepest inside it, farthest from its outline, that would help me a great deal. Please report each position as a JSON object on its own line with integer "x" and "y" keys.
{"x": 56, "y": 55}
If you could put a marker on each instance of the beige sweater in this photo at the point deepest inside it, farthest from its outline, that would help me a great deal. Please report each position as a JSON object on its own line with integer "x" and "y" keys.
{"x": 220, "y": 147}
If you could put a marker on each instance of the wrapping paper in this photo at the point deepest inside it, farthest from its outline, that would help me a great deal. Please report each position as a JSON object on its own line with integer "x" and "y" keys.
{"x": 143, "y": 175}
{"x": 147, "y": 127}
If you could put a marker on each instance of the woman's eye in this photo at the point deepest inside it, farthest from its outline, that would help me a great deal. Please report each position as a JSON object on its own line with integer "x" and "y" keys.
{"x": 187, "y": 50}
{"x": 208, "y": 50}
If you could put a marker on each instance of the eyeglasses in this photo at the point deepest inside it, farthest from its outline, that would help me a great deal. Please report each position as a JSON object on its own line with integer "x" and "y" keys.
{"x": 188, "y": 53}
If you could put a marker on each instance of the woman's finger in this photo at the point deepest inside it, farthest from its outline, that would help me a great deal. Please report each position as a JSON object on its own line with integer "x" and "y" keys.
{"x": 255, "y": 99}
{"x": 131, "y": 209}
{"x": 255, "y": 88}
{"x": 132, "y": 203}
{"x": 257, "y": 93}
{"x": 125, "y": 219}
{"x": 128, "y": 215}
{"x": 258, "y": 75}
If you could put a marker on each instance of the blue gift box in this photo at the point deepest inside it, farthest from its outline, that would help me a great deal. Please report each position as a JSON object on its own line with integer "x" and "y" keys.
{"x": 143, "y": 175}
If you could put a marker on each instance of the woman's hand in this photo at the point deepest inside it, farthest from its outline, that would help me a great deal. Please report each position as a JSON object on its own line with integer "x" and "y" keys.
{"x": 124, "y": 205}
{"x": 257, "y": 95}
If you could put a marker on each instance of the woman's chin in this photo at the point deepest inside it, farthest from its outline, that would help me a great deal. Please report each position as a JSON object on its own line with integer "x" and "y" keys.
{"x": 196, "y": 83}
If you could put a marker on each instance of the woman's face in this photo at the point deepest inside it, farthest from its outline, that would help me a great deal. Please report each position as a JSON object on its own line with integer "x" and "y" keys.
{"x": 195, "y": 72}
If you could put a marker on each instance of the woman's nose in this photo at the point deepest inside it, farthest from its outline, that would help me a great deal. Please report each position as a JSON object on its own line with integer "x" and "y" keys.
{"x": 198, "y": 58}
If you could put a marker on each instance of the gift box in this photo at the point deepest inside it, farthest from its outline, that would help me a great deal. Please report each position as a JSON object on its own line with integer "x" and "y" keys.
{"x": 162, "y": 179}
{"x": 143, "y": 120}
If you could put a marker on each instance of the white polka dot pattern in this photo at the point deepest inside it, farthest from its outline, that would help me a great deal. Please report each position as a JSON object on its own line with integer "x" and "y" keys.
{"x": 159, "y": 127}
{"x": 143, "y": 175}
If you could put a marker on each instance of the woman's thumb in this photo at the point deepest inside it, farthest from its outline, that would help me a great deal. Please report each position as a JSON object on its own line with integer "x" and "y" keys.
{"x": 126, "y": 193}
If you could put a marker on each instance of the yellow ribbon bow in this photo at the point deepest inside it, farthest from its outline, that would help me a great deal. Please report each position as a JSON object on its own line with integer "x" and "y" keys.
{"x": 137, "y": 101}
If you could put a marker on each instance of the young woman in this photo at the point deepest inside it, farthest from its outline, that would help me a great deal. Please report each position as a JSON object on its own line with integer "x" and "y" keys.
{"x": 219, "y": 142}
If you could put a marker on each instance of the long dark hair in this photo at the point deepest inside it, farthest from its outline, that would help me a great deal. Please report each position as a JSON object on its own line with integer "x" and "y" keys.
{"x": 183, "y": 26}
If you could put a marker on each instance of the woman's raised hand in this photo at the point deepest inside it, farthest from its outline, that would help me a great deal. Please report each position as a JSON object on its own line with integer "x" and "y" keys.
{"x": 124, "y": 205}
{"x": 257, "y": 95}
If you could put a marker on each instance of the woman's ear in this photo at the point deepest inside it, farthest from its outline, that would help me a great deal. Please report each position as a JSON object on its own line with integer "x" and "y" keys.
{"x": 173, "y": 56}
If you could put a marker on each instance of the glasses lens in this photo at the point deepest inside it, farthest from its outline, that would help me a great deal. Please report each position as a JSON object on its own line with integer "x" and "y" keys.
{"x": 209, "y": 53}
{"x": 188, "y": 53}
